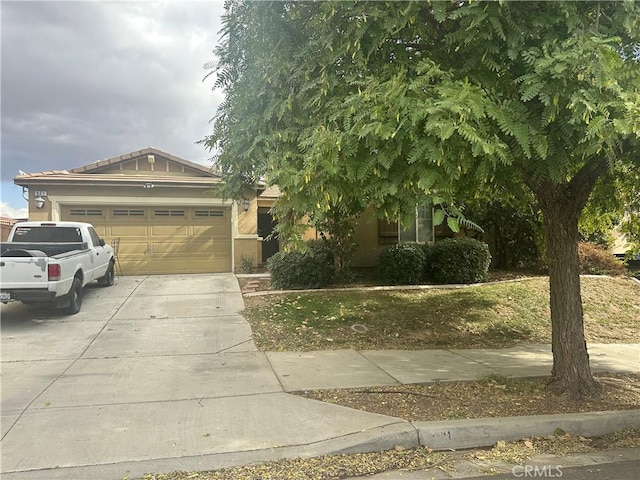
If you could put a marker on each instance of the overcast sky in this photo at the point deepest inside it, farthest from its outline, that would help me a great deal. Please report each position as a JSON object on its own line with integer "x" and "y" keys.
{"x": 84, "y": 81}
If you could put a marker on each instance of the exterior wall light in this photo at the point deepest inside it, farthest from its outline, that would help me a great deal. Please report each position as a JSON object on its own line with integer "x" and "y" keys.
{"x": 245, "y": 204}
{"x": 39, "y": 203}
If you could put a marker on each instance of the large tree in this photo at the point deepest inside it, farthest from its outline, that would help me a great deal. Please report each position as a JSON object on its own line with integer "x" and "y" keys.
{"x": 386, "y": 104}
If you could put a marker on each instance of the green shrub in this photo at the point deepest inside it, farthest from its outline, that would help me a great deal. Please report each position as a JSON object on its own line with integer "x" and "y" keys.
{"x": 427, "y": 271}
{"x": 402, "y": 264}
{"x": 312, "y": 267}
{"x": 459, "y": 260}
{"x": 597, "y": 260}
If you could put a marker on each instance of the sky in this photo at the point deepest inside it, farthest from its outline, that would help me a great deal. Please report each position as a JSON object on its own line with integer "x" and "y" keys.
{"x": 88, "y": 80}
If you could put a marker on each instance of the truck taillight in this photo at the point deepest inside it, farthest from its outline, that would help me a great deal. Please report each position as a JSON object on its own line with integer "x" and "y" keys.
{"x": 54, "y": 271}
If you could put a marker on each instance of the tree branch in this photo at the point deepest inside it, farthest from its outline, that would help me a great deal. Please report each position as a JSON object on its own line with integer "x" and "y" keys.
{"x": 582, "y": 183}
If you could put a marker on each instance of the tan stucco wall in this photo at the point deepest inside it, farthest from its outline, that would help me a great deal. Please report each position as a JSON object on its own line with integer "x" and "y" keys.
{"x": 366, "y": 236}
{"x": 247, "y": 247}
{"x": 248, "y": 221}
{"x": 45, "y": 212}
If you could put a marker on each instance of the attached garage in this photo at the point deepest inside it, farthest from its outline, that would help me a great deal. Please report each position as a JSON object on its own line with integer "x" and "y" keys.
{"x": 166, "y": 212}
{"x": 163, "y": 239}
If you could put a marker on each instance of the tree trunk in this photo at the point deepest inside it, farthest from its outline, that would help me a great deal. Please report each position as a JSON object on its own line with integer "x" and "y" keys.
{"x": 571, "y": 374}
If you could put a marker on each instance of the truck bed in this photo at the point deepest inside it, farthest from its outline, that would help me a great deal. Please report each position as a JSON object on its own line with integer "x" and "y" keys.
{"x": 49, "y": 249}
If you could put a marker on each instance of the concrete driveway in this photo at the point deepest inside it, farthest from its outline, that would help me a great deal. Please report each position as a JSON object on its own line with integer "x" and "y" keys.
{"x": 157, "y": 373}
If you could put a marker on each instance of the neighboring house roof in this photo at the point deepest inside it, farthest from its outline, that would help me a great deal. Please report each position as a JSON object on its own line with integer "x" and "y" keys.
{"x": 105, "y": 172}
{"x": 7, "y": 222}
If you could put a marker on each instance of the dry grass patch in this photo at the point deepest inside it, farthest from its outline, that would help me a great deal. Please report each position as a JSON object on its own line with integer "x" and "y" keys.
{"x": 493, "y": 396}
{"x": 488, "y": 316}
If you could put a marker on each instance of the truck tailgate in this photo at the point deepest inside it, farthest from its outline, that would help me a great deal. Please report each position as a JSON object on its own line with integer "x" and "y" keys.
{"x": 23, "y": 272}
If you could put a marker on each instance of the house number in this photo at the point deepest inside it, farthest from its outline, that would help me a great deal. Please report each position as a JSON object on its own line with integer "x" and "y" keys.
{"x": 40, "y": 193}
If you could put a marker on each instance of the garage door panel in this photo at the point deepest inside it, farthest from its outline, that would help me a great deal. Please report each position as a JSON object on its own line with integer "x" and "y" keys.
{"x": 170, "y": 231}
{"x": 157, "y": 240}
{"x": 129, "y": 231}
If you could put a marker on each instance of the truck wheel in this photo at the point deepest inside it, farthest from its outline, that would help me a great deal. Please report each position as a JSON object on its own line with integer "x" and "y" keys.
{"x": 75, "y": 297}
{"x": 109, "y": 277}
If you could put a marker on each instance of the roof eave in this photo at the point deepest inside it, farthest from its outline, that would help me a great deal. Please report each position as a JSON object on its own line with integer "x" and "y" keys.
{"x": 99, "y": 182}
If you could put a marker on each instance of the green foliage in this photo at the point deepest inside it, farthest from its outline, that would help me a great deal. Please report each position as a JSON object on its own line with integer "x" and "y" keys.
{"x": 402, "y": 264}
{"x": 615, "y": 202}
{"x": 311, "y": 267}
{"x": 427, "y": 271}
{"x": 513, "y": 227}
{"x": 597, "y": 260}
{"x": 351, "y": 104}
{"x": 246, "y": 264}
{"x": 390, "y": 104}
{"x": 459, "y": 260}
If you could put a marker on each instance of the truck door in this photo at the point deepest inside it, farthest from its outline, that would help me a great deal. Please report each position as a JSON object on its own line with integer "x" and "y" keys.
{"x": 100, "y": 256}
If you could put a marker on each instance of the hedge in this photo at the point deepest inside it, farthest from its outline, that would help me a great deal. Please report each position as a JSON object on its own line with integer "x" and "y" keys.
{"x": 312, "y": 267}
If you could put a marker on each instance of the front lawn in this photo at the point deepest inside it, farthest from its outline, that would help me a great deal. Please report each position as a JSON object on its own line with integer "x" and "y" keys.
{"x": 488, "y": 316}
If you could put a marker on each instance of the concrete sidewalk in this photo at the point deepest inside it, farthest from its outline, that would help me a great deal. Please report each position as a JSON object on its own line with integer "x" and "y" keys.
{"x": 368, "y": 368}
{"x": 160, "y": 373}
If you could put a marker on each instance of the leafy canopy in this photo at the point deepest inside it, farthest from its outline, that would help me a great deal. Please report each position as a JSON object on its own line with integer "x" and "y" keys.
{"x": 350, "y": 104}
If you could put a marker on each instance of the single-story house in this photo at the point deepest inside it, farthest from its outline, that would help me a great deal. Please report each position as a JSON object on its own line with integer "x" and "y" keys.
{"x": 6, "y": 224}
{"x": 168, "y": 216}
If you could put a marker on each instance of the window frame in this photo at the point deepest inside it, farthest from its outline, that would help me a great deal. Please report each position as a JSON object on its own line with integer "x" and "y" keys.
{"x": 384, "y": 228}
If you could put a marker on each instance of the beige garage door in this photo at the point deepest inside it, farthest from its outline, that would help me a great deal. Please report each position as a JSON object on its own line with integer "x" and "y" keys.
{"x": 155, "y": 240}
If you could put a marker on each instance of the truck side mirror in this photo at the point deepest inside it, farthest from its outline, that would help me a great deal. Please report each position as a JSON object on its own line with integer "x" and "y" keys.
{"x": 101, "y": 242}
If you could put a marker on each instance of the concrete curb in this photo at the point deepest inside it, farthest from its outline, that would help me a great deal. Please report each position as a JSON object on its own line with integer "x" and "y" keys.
{"x": 483, "y": 432}
{"x": 440, "y": 435}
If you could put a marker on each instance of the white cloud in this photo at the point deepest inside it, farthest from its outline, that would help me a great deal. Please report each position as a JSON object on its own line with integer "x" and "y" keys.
{"x": 8, "y": 211}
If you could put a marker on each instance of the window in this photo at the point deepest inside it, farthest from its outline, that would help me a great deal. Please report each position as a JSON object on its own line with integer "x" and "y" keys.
{"x": 85, "y": 212}
{"x": 387, "y": 232}
{"x": 169, "y": 213}
{"x": 420, "y": 231}
{"x": 208, "y": 213}
{"x": 125, "y": 212}
{"x": 45, "y": 234}
{"x": 95, "y": 239}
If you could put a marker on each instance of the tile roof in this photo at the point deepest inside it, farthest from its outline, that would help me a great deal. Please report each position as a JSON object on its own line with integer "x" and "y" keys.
{"x": 62, "y": 177}
{"x": 7, "y": 221}
{"x": 272, "y": 191}
{"x": 84, "y": 174}
{"x": 101, "y": 164}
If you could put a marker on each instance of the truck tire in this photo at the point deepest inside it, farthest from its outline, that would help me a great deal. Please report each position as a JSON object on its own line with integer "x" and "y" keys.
{"x": 75, "y": 297}
{"x": 109, "y": 277}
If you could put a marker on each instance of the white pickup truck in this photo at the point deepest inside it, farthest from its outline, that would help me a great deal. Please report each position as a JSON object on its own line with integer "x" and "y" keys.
{"x": 51, "y": 262}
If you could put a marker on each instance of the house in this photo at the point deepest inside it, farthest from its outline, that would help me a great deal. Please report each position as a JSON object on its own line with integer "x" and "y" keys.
{"x": 164, "y": 210}
{"x": 6, "y": 224}
{"x": 168, "y": 216}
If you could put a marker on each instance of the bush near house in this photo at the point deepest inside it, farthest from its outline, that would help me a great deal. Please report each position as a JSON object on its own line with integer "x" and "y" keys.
{"x": 311, "y": 267}
{"x": 458, "y": 260}
{"x": 402, "y": 264}
{"x": 597, "y": 260}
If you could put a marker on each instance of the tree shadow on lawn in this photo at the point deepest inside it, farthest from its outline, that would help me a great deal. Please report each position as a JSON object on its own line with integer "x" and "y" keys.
{"x": 463, "y": 319}
{"x": 392, "y": 320}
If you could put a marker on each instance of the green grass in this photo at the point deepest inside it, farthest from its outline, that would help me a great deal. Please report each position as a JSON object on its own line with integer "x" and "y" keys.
{"x": 489, "y": 316}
